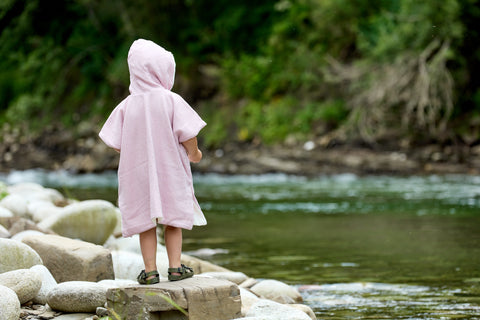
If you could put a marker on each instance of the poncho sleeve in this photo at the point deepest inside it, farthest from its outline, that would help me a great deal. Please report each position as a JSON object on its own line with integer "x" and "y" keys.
{"x": 186, "y": 122}
{"x": 111, "y": 132}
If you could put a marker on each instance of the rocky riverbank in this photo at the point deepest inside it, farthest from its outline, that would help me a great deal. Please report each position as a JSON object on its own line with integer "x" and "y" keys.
{"x": 60, "y": 259}
{"x": 82, "y": 151}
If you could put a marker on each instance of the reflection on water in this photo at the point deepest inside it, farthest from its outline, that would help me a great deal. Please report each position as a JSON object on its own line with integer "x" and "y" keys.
{"x": 356, "y": 247}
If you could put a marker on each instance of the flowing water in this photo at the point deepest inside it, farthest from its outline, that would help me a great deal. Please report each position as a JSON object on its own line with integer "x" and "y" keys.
{"x": 374, "y": 247}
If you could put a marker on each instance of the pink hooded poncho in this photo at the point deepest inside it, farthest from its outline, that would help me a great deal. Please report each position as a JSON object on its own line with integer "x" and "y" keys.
{"x": 154, "y": 176}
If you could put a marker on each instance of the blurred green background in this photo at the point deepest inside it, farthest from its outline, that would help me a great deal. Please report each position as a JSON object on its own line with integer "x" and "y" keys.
{"x": 257, "y": 71}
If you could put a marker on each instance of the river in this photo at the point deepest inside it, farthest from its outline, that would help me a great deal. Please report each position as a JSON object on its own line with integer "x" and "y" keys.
{"x": 373, "y": 247}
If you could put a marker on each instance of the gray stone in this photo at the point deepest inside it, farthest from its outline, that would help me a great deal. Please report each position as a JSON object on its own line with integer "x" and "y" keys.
{"x": 16, "y": 204}
{"x": 201, "y": 266}
{"x": 74, "y": 316}
{"x": 4, "y": 232}
{"x": 127, "y": 265}
{"x": 48, "y": 284}
{"x": 235, "y": 277}
{"x": 77, "y": 296}
{"x": 22, "y": 234}
{"x": 92, "y": 221}
{"x": 33, "y": 192}
{"x": 5, "y": 213}
{"x": 306, "y": 309}
{"x": 26, "y": 283}
{"x": 248, "y": 299}
{"x": 70, "y": 260}
{"x": 16, "y": 255}
{"x": 202, "y": 298}
{"x": 9, "y": 304}
{"x": 267, "y": 309}
{"x": 277, "y": 291}
{"x": 39, "y": 210}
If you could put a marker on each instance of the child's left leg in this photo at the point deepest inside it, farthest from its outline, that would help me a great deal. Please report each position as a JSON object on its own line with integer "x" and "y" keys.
{"x": 173, "y": 243}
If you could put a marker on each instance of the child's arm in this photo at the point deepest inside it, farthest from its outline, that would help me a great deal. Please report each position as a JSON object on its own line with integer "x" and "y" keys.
{"x": 194, "y": 154}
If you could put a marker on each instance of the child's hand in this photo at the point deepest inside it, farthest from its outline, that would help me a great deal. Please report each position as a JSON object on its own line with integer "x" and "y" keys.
{"x": 195, "y": 157}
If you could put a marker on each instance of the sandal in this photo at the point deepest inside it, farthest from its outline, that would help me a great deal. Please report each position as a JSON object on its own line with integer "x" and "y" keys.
{"x": 143, "y": 277}
{"x": 185, "y": 272}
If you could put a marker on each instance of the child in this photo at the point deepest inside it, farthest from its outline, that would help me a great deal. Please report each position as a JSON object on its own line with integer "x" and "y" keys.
{"x": 155, "y": 132}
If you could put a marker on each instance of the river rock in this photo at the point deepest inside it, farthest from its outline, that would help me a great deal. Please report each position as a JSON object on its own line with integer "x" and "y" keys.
{"x": 270, "y": 310}
{"x": 77, "y": 296}
{"x": 4, "y": 232}
{"x": 48, "y": 284}
{"x": 9, "y": 304}
{"x": 91, "y": 220}
{"x": 19, "y": 236}
{"x": 16, "y": 255}
{"x": 25, "y": 282}
{"x": 235, "y": 277}
{"x": 117, "y": 283}
{"x": 16, "y": 204}
{"x": 17, "y": 224}
{"x": 5, "y": 213}
{"x": 39, "y": 210}
{"x": 277, "y": 291}
{"x": 304, "y": 308}
{"x": 127, "y": 265}
{"x": 75, "y": 316}
{"x": 248, "y": 299}
{"x": 69, "y": 259}
{"x": 34, "y": 192}
{"x": 201, "y": 266}
{"x": 131, "y": 244}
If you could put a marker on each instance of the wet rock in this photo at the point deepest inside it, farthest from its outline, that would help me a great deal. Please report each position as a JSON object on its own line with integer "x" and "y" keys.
{"x": 277, "y": 291}
{"x": 16, "y": 255}
{"x": 69, "y": 259}
{"x": 48, "y": 283}
{"x": 26, "y": 283}
{"x": 9, "y": 304}
{"x": 77, "y": 296}
{"x": 92, "y": 221}
{"x": 235, "y": 277}
{"x": 270, "y": 310}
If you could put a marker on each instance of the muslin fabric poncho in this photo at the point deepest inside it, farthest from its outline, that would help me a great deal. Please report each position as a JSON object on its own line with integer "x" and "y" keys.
{"x": 154, "y": 176}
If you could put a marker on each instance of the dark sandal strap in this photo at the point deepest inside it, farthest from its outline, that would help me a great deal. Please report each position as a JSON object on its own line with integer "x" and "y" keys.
{"x": 142, "y": 277}
{"x": 184, "y": 272}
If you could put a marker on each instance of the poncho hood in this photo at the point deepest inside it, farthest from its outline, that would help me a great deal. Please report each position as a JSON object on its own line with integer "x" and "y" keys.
{"x": 150, "y": 66}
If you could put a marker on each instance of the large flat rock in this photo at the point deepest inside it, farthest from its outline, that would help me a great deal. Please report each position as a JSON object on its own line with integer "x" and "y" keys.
{"x": 203, "y": 298}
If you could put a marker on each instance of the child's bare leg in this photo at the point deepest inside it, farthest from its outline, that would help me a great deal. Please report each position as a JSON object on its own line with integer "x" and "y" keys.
{"x": 173, "y": 243}
{"x": 148, "y": 245}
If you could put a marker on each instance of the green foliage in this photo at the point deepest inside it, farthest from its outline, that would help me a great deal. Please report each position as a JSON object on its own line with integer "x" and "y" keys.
{"x": 66, "y": 60}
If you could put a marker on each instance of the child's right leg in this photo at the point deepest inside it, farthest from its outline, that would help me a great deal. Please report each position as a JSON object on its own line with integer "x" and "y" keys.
{"x": 148, "y": 246}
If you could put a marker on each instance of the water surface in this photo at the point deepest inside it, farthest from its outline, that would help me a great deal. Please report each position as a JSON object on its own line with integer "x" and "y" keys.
{"x": 374, "y": 247}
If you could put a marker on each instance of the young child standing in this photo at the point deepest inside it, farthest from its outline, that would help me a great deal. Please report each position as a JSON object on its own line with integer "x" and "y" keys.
{"x": 155, "y": 132}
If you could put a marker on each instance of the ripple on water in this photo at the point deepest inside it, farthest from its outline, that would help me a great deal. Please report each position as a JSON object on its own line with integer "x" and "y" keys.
{"x": 389, "y": 301}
